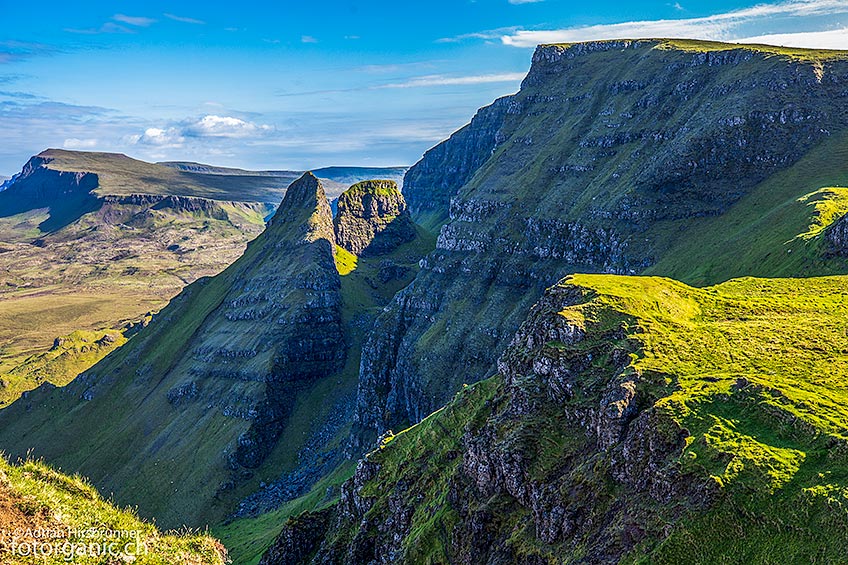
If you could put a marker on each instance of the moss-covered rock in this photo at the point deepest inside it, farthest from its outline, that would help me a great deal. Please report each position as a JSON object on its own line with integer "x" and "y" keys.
{"x": 372, "y": 218}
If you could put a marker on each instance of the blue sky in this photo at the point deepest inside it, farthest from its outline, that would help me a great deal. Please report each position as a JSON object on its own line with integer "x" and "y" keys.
{"x": 308, "y": 84}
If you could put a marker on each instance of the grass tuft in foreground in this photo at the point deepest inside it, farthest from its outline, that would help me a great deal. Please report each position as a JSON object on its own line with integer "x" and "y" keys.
{"x": 47, "y": 517}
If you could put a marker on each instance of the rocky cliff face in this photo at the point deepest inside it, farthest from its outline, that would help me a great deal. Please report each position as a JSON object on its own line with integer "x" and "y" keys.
{"x": 39, "y": 183}
{"x": 607, "y": 154}
{"x": 67, "y": 193}
{"x": 447, "y": 167}
{"x": 372, "y": 218}
{"x": 837, "y": 236}
{"x": 556, "y": 457}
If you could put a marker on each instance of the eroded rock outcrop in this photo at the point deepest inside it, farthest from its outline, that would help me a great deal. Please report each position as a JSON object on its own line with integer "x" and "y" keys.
{"x": 558, "y": 458}
{"x": 372, "y": 218}
{"x": 837, "y": 236}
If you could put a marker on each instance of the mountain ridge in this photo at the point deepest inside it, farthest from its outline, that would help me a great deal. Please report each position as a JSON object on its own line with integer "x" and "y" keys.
{"x": 251, "y": 374}
{"x": 163, "y": 229}
{"x": 210, "y": 346}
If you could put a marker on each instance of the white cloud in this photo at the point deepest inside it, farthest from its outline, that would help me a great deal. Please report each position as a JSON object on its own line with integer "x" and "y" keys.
{"x": 138, "y": 21}
{"x": 75, "y": 143}
{"x": 168, "y": 137}
{"x": 833, "y": 39}
{"x": 442, "y": 80}
{"x": 308, "y": 39}
{"x": 223, "y": 126}
{"x": 726, "y": 26}
{"x": 524, "y": 1}
{"x": 487, "y": 34}
{"x": 207, "y": 127}
{"x": 184, "y": 19}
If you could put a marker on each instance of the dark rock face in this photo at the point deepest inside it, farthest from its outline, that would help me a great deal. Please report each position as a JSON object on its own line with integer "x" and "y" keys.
{"x": 372, "y": 218}
{"x": 431, "y": 183}
{"x": 300, "y": 538}
{"x": 837, "y": 236}
{"x": 608, "y": 150}
{"x": 37, "y": 182}
{"x": 612, "y": 481}
{"x": 69, "y": 194}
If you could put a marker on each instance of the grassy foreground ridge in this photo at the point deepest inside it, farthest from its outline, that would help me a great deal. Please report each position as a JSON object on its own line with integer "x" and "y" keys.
{"x": 47, "y": 517}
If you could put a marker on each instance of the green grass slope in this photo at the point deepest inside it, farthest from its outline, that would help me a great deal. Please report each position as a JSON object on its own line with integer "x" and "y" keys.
{"x": 779, "y": 229}
{"x": 49, "y": 518}
{"x": 69, "y": 356}
{"x": 634, "y": 420}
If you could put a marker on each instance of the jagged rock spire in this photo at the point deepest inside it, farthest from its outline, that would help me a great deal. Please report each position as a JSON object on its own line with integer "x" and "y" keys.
{"x": 305, "y": 208}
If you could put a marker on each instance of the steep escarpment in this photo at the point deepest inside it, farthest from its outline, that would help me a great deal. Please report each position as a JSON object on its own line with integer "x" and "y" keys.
{"x": 617, "y": 157}
{"x": 631, "y": 419}
{"x": 68, "y": 193}
{"x": 372, "y": 218}
{"x": 222, "y": 368}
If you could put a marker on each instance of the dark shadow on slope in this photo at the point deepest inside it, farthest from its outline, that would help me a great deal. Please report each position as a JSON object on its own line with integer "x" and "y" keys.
{"x": 399, "y": 231}
{"x": 68, "y": 196}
